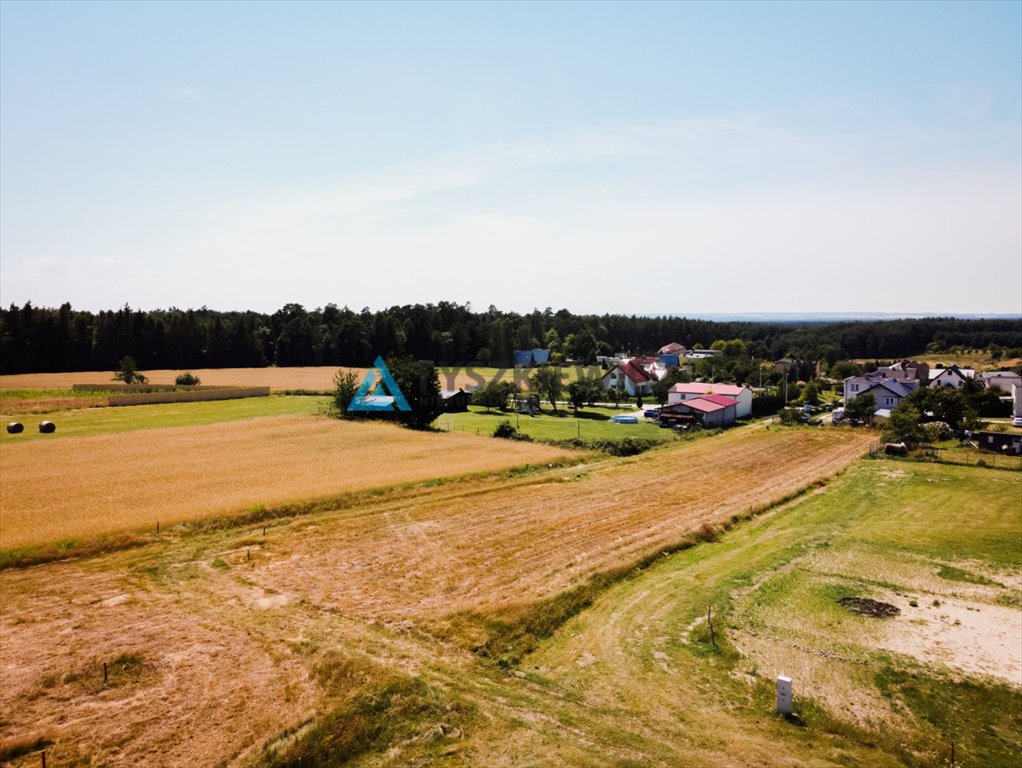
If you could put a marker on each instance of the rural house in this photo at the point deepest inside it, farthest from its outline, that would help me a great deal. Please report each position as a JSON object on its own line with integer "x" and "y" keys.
{"x": 1003, "y": 380}
{"x": 887, "y": 393}
{"x": 856, "y": 385}
{"x": 907, "y": 370}
{"x": 952, "y": 376}
{"x": 708, "y": 411}
{"x": 529, "y": 358}
{"x": 628, "y": 377}
{"x": 674, "y": 348}
{"x": 740, "y": 393}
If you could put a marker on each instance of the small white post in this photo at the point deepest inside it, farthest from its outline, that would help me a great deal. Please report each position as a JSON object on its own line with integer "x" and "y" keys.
{"x": 784, "y": 695}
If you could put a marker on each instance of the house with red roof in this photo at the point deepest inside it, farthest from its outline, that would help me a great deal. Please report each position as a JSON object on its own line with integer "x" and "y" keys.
{"x": 680, "y": 393}
{"x": 630, "y": 378}
{"x": 674, "y": 348}
{"x": 708, "y": 411}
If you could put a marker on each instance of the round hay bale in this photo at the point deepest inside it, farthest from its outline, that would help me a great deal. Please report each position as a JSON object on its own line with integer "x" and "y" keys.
{"x": 15, "y": 427}
{"x": 46, "y": 427}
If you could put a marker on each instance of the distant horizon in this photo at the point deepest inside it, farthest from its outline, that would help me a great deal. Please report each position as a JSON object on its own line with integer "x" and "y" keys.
{"x": 747, "y": 316}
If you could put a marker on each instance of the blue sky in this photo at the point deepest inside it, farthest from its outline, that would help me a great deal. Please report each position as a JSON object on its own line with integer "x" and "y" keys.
{"x": 679, "y": 158}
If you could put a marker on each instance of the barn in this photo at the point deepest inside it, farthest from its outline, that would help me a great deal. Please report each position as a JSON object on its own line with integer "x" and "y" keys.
{"x": 709, "y": 411}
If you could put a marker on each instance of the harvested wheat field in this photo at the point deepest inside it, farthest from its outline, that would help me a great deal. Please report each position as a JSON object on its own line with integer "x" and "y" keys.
{"x": 309, "y": 378}
{"x": 315, "y": 378}
{"x": 222, "y": 640}
{"x": 85, "y": 487}
{"x": 504, "y": 542}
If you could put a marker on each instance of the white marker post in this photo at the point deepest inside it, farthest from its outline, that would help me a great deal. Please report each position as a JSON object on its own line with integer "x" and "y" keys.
{"x": 784, "y": 695}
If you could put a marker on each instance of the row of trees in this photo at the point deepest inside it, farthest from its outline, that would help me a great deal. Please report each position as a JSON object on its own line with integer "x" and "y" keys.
{"x": 34, "y": 339}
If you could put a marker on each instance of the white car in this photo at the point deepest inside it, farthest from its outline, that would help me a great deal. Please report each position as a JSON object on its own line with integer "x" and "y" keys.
{"x": 1017, "y": 421}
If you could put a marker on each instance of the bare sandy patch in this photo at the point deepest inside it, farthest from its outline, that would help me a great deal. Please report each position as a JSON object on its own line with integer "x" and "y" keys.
{"x": 972, "y": 637}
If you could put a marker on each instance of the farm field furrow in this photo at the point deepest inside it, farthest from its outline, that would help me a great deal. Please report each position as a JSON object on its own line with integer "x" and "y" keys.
{"x": 76, "y": 488}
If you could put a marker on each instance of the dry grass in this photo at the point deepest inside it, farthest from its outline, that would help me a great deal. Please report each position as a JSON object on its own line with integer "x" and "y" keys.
{"x": 87, "y": 487}
{"x": 309, "y": 378}
{"x": 317, "y": 378}
{"x": 497, "y": 543}
{"x": 235, "y": 622}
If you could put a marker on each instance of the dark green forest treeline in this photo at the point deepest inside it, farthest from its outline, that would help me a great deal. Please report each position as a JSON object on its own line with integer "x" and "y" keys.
{"x": 35, "y": 339}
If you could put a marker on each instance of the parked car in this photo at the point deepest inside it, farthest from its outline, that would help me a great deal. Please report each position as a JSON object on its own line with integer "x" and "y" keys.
{"x": 1017, "y": 421}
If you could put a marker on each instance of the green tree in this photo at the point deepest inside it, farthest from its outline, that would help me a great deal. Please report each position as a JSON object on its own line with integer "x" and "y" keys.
{"x": 904, "y": 425}
{"x": 581, "y": 347}
{"x": 345, "y": 386}
{"x": 842, "y": 369}
{"x": 586, "y": 389}
{"x": 128, "y": 372}
{"x": 861, "y": 408}
{"x": 419, "y": 383}
{"x": 494, "y": 394}
{"x": 547, "y": 382}
{"x": 552, "y": 339}
{"x": 945, "y": 404}
{"x": 811, "y": 394}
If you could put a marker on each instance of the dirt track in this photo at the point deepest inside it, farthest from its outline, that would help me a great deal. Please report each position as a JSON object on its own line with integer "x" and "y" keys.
{"x": 227, "y": 625}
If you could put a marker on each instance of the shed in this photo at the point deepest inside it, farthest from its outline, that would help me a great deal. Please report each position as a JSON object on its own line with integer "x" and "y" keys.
{"x": 709, "y": 411}
{"x": 454, "y": 400}
{"x": 1000, "y": 442}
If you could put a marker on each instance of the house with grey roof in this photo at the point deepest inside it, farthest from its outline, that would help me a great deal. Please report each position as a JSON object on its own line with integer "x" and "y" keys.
{"x": 1003, "y": 380}
{"x": 886, "y": 392}
{"x": 952, "y": 376}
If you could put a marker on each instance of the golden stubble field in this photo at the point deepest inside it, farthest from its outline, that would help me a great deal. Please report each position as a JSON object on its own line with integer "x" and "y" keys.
{"x": 225, "y": 629}
{"x": 85, "y": 487}
{"x": 310, "y": 378}
{"x": 316, "y": 378}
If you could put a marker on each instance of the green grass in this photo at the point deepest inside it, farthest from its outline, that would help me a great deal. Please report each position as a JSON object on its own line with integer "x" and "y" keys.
{"x": 41, "y": 394}
{"x": 590, "y": 424}
{"x": 487, "y": 374}
{"x": 98, "y": 421}
{"x": 771, "y": 578}
{"x": 984, "y": 720}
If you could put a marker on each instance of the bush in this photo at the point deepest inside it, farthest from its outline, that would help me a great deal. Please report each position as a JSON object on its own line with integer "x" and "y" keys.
{"x": 186, "y": 379}
{"x": 346, "y": 384}
{"x": 791, "y": 416}
{"x": 508, "y": 431}
{"x": 766, "y": 405}
{"x": 628, "y": 446}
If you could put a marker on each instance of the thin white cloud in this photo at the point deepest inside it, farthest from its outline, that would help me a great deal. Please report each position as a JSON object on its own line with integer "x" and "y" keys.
{"x": 183, "y": 90}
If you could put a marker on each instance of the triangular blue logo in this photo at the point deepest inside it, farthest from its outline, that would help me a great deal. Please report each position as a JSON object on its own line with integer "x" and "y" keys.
{"x": 378, "y": 391}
